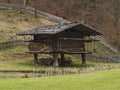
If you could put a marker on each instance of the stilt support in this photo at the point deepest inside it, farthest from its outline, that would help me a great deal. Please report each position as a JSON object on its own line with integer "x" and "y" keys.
{"x": 83, "y": 60}
{"x": 55, "y": 60}
{"x": 36, "y": 58}
{"x": 62, "y": 58}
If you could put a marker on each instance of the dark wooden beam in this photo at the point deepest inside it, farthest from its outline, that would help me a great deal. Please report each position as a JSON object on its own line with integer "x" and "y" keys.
{"x": 36, "y": 58}
{"x": 62, "y": 58}
{"x": 55, "y": 59}
{"x": 58, "y": 52}
{"x": 83, "y": 60}
{"x": 55, "y": 48}
{"x": 80, "y": 39}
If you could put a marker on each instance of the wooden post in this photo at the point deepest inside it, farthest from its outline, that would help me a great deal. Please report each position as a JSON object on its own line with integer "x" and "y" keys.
{"x": 83, "y": 60}
{"x": 55, "y": 60}
{"x": 36, "y": 58}
{"x": 62, "y": 58}
{"x": 54, "y": 49}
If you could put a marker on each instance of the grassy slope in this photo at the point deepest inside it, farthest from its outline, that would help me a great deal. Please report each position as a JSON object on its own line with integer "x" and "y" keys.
{"x": 16, "y": 58}
{"x": 12, "y": 22}
{"x": 102, "y": 80}
{"x": 103, "y": 50}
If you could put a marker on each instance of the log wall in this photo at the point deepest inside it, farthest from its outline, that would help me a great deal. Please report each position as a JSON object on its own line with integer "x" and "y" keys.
{"x": 72, "y": 46}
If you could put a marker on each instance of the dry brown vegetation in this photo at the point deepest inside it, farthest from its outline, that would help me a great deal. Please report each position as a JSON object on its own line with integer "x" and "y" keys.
{"x": 104, "y": 15}
{"x": 17, "y": 22}
{"x": 11, "y": 22}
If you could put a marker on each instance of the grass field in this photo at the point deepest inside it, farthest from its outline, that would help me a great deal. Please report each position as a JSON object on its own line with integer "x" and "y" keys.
{"x": 15, "y": 58}
{"x": 101, "y": 80}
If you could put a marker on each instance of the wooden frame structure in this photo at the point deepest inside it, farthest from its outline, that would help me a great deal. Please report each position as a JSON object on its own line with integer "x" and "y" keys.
{"x": 65, "y": 38}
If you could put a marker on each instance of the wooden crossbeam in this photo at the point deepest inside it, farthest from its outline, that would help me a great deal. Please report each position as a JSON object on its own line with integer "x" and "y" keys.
{"x": 58, "y": 52}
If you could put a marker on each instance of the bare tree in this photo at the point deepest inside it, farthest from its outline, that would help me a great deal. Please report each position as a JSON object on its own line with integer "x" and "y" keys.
{"x": 20, "y": 5}
{"x": 35, "y": 6}
{"x": 25, "y": 2}
{"x": 8, "y": 1}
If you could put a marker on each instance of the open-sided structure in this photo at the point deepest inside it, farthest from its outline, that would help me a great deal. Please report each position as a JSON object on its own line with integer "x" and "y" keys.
{"x": 65, "y": 38}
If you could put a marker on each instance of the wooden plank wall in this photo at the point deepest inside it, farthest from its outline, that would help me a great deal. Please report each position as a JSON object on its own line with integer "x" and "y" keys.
{"x": 72, "y": 46}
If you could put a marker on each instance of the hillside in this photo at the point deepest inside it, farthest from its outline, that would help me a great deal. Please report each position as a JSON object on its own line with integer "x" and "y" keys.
{"x": 104, "y": 15}
{"x": 17, "y": 22}
{"x": 12, "y": 58}
{"x": 11, "y": 22}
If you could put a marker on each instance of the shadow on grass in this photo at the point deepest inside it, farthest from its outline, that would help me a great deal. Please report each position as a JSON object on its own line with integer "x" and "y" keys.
{"x": 30, "y": 65}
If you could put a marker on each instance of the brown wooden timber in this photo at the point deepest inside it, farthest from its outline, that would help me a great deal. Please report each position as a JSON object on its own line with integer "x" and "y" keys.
{"x": 36, "y": 58}
{"x": 58, "y": 52}
{"x": 83, "y": 59}
{"x": 62, "y": 60}
{"x": 55, "y": 48}
{"x": 83, "y": 40}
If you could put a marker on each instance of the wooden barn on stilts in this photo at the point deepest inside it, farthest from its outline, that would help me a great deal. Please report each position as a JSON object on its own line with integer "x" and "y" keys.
{"x": 61, "y": 39}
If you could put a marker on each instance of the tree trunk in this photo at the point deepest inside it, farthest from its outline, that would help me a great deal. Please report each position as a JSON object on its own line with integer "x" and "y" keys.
{"x": 35, "y": 6}
{"x": 24, "y": 3}
{"x": 27, "y": 1}
{"x": 8, "y": 1}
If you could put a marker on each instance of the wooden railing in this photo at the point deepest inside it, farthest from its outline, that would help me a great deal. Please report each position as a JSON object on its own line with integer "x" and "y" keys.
{"x": 12, "y": 44}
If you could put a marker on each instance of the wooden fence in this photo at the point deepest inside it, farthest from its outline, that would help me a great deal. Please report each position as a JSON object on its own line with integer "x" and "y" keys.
{"x": 51, "y": 72}
{"x": 104, "y": 59}
{"x": 12, "y": 44}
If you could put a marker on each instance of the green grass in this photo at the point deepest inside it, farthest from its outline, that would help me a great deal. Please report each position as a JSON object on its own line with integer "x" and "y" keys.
{"x": 101, "y": 80}
{"x": 103, "y": 50}
{"x": 15, "y": 58}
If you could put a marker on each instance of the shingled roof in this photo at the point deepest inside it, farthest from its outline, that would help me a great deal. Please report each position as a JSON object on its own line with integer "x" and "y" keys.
{"x": 57, "y": 28}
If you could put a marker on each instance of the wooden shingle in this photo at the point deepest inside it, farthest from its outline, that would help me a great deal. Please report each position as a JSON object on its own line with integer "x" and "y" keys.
{"x": 57, "y": 28}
